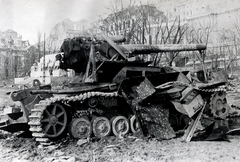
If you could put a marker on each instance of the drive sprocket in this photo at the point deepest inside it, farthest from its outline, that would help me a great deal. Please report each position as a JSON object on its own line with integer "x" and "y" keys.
{"x": 218, "y": 105}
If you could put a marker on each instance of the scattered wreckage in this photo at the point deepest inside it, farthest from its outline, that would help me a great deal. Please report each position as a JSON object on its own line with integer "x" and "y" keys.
{"x": 119, "y": 92}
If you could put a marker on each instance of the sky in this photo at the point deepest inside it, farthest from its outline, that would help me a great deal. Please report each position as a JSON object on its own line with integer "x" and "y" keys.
{"x": 29, "y": 17}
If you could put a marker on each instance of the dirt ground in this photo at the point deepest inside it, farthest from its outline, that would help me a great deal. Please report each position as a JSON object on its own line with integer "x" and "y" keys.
{"x": 128, "y": 149}
{"x": 113, "y": 149}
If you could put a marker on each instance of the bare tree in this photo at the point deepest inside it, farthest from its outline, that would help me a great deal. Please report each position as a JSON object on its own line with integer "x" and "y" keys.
{"x": 51, "y": 46}
{"x": 39, "y": 44}
{"x": 235, "y": 45}
{"x": 30, "y": 58}
{"x": 134, "y": 22}
{"x": 119, "y": 18}
{"x": 199, "y": 32}
{"x": 229, "y": 48}
{"x": 170, "y": 33}
{"x": 225, "y": 48}
{"x": 6, "y": 65}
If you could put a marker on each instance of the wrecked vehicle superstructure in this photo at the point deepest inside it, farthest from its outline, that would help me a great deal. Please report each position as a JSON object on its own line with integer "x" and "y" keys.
{"x": 118, "y": 93}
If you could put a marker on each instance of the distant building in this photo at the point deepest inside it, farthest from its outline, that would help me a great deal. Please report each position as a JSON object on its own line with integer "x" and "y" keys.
{"x": 134, "y": 17}
{"x": 67, "y": 29}
{"x": 220, "y": 17}
{"x": 12, "y": 51}
{"x": 224, "y": 15}
{"x": 11, "y": 38}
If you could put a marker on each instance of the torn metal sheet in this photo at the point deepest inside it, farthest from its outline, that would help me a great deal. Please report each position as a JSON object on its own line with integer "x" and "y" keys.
{"x": 219, "y": 131}
{"x": 190, "y": 102}
{"x": 143, "y": 90}
{"x": 156, "y": 121}
{"x": 234, "y": 125}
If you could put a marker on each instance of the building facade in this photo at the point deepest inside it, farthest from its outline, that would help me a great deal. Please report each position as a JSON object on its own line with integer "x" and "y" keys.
{"x": 218, "y": 19}
{"x": 67, "y": 29}
{"x": 222, "y": 14}
{"x": 134, "y": 23}
{"x": 12, "y": 51}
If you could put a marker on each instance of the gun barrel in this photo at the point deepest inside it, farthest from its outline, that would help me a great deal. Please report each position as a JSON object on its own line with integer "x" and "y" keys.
{"x": 147, "y": 49}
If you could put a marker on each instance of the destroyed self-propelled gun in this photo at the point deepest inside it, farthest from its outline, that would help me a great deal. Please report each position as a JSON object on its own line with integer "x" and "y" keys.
{"x": 119, "y": 92}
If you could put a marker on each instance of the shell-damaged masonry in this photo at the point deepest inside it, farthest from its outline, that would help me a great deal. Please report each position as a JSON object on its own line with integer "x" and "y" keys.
{"x": 117, "y": 92}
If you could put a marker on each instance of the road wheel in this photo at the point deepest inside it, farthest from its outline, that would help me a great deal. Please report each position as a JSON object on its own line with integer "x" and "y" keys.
{"x": 134, "y": 125}
{"x": 120, "y": 125}
{"x": 81, "y": 128}
{"x": 101, "y": 127}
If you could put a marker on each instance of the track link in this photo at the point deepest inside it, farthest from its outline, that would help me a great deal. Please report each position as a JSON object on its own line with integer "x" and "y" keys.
{"x": 37, "y": 112}
{"x": 222, "y": 88}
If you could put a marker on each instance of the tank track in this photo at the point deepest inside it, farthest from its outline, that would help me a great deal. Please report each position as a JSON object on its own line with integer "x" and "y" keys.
{"x": 222, "y": 88}
{"x": 37, "y": 111}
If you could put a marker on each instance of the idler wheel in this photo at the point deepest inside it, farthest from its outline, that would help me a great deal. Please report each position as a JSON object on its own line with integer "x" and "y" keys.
{"x": 81, "y": 128}
{"x": 54, "y": 121}
{"x": 101, "y": 127}
{"x": 134, "y": 125}
{"x": 120, "y": 124}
